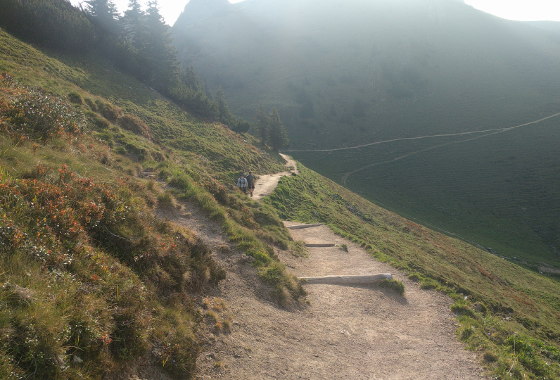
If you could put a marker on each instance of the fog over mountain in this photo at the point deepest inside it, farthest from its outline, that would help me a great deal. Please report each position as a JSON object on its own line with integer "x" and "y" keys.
{"x": 345, "y": 73}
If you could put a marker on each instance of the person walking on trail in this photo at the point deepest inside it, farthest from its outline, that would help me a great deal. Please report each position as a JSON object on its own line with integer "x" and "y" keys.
{"x": 250, "y": 183}
{"x": 242, "y": 183}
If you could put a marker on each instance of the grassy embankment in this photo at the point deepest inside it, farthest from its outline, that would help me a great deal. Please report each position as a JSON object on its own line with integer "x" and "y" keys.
{"x": 509, "y": 314}
{"x": 91, "y": 282}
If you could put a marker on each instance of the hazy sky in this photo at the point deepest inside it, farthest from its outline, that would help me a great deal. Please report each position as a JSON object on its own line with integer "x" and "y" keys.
{"x": 526, "y": 10}
{"x": 511, "y": 9}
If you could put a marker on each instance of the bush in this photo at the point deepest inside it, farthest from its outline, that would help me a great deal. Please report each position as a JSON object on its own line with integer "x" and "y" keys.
{"x": 75, "y": 98}
{"x": 394, "y": 285}
{"x": 96, "y": 268}
{"x": 135, "y": 125}
{"x": 241, "y": 126}
{"x": 166, "y": 200}
{"x": 100, "y": 122}
{"x": 108, "y": 111}
{"x": 91, "y": 104}
{"x": 38, "y": 115}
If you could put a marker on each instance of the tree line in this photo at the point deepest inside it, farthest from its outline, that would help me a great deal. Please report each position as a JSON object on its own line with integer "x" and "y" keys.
{"x": 270, "y": 129}
{"x": 137, "y": 42}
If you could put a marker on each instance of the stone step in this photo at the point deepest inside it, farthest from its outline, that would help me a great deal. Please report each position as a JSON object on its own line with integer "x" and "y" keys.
{"x": 302, "y": 226}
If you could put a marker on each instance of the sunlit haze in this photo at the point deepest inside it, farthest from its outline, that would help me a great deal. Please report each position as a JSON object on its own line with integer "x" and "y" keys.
{"x": 525, "y": 10}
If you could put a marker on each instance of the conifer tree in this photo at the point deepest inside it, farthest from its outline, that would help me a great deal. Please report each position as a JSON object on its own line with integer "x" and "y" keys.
{"x": 224, "y": 115}
{"x": 52, "y": 23}
{"x": 158, "y": 52}
{"x": 189, "y": 78}
{"x": 132, "y": 25}
{"x": 278, "y": 136}
{"x": 104, "y": 15}
{"x": 263, "y": 126}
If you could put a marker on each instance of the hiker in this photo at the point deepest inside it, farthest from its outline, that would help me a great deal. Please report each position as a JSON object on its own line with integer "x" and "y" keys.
{"x": 242, "y": 183}
{"x": 250, "y": 183}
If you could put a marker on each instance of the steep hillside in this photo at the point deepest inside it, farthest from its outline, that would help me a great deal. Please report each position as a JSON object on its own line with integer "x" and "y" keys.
{"x": 92, "y": 283}
{"x": 354, "y": 72}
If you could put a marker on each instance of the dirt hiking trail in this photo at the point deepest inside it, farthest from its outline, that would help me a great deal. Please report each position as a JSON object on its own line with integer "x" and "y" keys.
{"x": 343, "y": 333}
{"x": 266, "y": 184}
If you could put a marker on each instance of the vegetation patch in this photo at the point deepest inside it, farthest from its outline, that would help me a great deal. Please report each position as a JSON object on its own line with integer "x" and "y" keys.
{"x": 88, "y": 275}
{"x": 33, "y": 113}
{"x": 394, "y": 285}
{"x": 241, "y": 226}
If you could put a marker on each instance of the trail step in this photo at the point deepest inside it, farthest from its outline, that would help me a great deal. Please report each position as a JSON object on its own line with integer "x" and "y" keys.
{"x": 315, "y": 245}
{"x": 302, "y": 226}
{"x": 347, "y": 279}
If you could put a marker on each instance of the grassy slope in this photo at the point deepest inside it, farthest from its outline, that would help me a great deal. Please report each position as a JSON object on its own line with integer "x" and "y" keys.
{"x": 500, "y": 191}
{"x": 111, "y": 293}
{"x": 508, "y": 313}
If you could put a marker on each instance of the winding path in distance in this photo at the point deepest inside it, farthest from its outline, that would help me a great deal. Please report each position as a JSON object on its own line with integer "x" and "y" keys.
{"x": 485, "y": 131}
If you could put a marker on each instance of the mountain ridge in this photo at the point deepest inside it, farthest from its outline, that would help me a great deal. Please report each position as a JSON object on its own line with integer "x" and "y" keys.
{"x": 344, "y": 74}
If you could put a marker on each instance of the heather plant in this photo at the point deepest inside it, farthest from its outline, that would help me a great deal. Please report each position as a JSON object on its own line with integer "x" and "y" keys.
{"x": 87, "y": 277}
{"x": 33, "y": 113}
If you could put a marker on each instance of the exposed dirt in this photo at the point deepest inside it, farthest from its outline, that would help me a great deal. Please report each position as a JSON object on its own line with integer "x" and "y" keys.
{"x": 344, "y": 332}
{"x": 266, "y": 183}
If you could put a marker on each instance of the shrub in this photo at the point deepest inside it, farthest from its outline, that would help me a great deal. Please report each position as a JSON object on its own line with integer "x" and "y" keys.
{"x": 135, "y": 125}
{"x": 241, "y": 126}
{"x": 108, "y": 111}
{"x": 490, "y": 357}
{"x": 462, "y": 308}
{"x": 91, "y": 104}
{"x": 107, "y": 266}
{"x": 166, "y": 200}
{"x": 38, "y": 115}
{"x": 100, "y": 122}
{"x": 75, "y": 98}
{"x": 394, "y": 285}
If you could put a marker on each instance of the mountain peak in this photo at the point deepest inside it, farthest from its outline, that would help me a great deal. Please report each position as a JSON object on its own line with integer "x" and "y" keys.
{"x": 199, "y": 10}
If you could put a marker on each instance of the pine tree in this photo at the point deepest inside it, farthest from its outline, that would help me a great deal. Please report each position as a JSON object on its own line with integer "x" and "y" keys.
{"x": 263, "y": 126}
{"x": 224, "y": 115}
{"x": 132, "y": 25}
{"x": 278, "y": 136}
{"x": 103, "y": 13}
{"x": 162, "y": 68}
{"x": 51, "y": 23}
{"x": 189, "y": 78}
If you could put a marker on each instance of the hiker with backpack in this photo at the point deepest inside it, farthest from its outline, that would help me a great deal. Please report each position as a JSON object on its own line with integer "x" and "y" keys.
{"x": 250, "y": 183}
{"x": 242, "y": 183}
